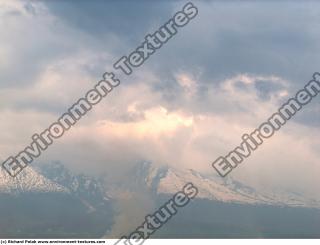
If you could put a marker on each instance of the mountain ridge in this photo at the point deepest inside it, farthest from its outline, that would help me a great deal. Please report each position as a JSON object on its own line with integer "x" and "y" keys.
{"x": 28, "y": 181}
{"x": 165, "y": 180}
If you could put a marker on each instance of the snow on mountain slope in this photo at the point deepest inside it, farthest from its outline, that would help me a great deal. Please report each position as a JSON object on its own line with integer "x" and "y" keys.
{"x": 28, "y": 180}
{"x": 53, "y": 203}
{"x": 55, "y": 178}
{"x": 90, "y": 190}
{"x": 170, "y": 181}
{"x": 208, "y": 188}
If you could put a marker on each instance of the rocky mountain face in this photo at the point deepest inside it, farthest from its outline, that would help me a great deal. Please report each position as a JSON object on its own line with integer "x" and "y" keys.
{"x": 167, "y": 180}
{"x": 28, "y": 180}
{"x": 51, "y": 202}
{"x": 91, "y": 191}
{"x": 225, "y": 208}
{"x": 55, "y": 178}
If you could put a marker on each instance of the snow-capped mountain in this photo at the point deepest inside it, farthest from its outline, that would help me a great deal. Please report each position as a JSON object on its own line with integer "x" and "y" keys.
{"x": 223, "y": 208}
{"x": 167, "y": 180}
{"x": 89, "y": 190}
{"x": 28, "y": 180}
{"x": 48, "y": 201}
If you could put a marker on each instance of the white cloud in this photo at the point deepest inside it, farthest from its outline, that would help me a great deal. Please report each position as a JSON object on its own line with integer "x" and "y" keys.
{"x": 136, "y": 121}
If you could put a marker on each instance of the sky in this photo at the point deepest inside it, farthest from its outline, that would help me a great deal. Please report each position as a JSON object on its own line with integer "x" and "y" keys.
{"x": 221, "y": 76}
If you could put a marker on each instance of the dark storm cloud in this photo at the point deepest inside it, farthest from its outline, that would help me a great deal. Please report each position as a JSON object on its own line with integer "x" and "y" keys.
{"x": 128, "y": 19}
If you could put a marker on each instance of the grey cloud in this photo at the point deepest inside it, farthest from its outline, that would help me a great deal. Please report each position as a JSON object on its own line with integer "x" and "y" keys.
{"x": 128, "y": 19}
{"x": 226, "y": 39}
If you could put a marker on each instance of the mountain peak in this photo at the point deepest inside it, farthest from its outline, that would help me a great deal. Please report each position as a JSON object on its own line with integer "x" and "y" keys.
{"x": 167, "y": 180}
{"x": 28, "y": 181}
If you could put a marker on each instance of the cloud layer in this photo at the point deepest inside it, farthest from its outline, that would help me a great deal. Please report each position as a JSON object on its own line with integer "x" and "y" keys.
{"x": 219, "y": 78}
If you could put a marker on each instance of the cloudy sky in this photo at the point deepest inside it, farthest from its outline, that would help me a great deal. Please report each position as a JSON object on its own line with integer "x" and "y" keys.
{"x": 221, "y": 76}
